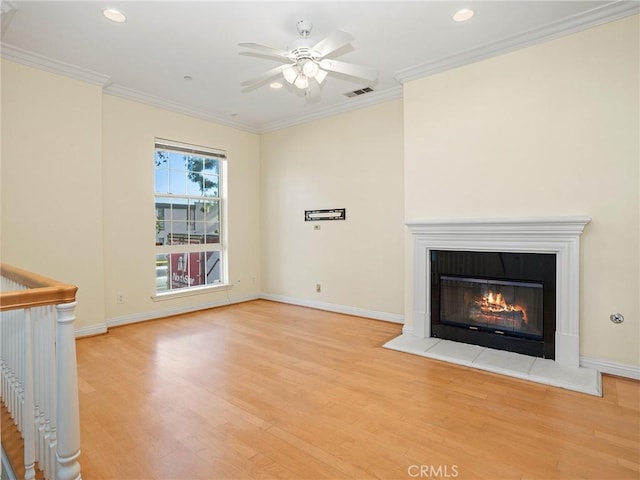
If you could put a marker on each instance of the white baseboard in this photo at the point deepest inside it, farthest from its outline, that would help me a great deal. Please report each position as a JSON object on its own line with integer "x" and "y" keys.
{"x": 92, "y": 330}
{"x": 142, "y": 317}
{"x": 331, "y": 307}
{"x": 613, "y": 368}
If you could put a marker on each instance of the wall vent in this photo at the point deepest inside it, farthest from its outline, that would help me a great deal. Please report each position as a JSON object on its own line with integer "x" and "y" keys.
{"x": 362, "y": 91}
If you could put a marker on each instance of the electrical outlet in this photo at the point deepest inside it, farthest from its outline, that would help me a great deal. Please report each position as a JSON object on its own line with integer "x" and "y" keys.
{"x": 120, "y": 298}
{"x": 318, "y": 288}
{"x": 616, "y": 318}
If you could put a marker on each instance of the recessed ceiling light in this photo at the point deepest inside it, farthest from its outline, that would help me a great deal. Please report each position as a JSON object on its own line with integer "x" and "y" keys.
{"x": 463, "y": 15}
{"x": 275, "y": 85}
{"x": 114, "y": 15}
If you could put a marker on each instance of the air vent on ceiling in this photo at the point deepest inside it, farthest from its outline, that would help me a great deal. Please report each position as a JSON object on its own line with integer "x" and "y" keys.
{"x": 362, "y": 91}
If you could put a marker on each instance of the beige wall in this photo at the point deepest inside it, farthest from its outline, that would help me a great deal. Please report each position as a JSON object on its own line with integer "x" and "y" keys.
{"x": 51, "y": 181}
{"x": 129, "y": 130}
{"x": 548, "y": 130}
{"x": 352, "y": 161}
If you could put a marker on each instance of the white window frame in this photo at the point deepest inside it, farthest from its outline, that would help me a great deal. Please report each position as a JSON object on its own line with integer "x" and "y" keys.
{"x": 221, "y": 158}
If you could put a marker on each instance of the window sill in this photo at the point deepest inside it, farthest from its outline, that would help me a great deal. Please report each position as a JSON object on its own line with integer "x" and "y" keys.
{"x": 159, "y": 297}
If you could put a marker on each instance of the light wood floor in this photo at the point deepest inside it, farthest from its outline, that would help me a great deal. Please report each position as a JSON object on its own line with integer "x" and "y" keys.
{"x": 266, "y": 390}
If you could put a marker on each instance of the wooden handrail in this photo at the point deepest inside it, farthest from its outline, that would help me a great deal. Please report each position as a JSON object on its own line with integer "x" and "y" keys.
{"x": 40, "y": 290}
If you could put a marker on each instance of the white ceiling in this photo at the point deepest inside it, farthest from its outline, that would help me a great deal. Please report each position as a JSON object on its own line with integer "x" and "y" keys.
{"x": 147, "y": 57}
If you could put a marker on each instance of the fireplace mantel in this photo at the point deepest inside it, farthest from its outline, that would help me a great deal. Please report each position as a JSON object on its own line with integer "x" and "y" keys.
{"x": 559, "y": 235}
{"x": 555, "y": 235}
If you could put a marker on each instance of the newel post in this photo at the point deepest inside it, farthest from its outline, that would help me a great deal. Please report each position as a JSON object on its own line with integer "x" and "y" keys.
{"x": 67, "y": 406}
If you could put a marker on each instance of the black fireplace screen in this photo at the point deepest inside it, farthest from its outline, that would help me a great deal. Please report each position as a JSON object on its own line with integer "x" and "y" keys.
{"x": 511, "y": 307}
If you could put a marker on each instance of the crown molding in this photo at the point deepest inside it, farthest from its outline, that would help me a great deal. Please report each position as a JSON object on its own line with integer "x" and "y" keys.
{"x": 24, "y": 57}
{"x": 141, "y": 97}
{"x": 591, "y": 18}
{"x": 355, "y": 103}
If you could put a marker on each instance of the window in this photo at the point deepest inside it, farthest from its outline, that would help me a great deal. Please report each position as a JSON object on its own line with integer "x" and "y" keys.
{"x": 190, "y": 226}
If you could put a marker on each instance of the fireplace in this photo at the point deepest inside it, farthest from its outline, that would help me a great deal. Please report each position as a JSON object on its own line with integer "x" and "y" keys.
{"x": 512, "y": 281}
{"x": 500, "y": 300}
{"x": 557, "y": 237}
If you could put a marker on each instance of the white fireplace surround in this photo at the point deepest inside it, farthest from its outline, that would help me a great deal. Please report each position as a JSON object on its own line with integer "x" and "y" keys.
{"x": 552, "y": 235}
{"x": 559, "y": 235}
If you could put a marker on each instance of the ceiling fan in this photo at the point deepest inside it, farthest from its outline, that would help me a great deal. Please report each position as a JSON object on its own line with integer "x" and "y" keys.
{"x": 306, "y": 62}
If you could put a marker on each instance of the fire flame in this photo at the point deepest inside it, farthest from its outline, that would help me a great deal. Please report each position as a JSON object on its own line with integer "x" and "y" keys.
{"x": 495, "y": 303}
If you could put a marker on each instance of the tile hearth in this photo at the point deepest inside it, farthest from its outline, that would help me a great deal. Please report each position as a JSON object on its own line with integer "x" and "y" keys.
{"x": 537, "y": 370}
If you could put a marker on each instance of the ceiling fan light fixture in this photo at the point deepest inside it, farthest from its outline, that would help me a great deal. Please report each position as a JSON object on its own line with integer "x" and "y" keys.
{"x": 310, "y": 69}
{"x": 290, "y": 74}
{"x": 302, "y": 82}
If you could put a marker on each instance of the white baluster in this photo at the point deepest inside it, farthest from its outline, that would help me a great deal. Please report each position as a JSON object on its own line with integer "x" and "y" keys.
{"x": 2, "y": 350}
{"x": 20, "y": 368}
{"x": 9, "y": 399}
{"x": 5, "y": 358}
{"x": 12, "y": 364}
{"x": 37, "y": 375}
{"x": 3, "y": 355}
{"x": 28, "y": 430}
{"x": 68, "y": 417}
{"x": 42, "y": 390}
{"x": 48, "y": 381}
{"x": 53, "y": 395}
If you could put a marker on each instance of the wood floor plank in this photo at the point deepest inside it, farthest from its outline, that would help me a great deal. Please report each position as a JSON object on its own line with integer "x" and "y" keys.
{"x": 266, "y": 390}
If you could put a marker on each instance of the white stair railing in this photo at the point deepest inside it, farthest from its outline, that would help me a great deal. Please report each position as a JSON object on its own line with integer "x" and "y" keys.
{"x": 38, "y": 371}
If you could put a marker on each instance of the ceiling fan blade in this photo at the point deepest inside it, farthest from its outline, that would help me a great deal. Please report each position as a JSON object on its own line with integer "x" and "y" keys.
{"x": 366, "y": 73}
{"x": 266, "y": 56}
{"x": 333, "y": 42}
{"x": 272, "y": 51}
{"x": 264, "y": 77}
